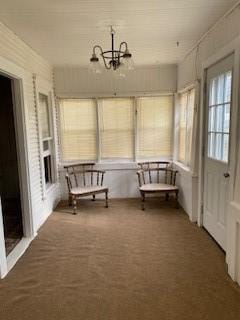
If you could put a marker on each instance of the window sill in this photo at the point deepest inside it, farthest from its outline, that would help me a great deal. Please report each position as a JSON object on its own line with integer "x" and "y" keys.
{"x": 184, "y": 169}
{"x": 116, "y": 165}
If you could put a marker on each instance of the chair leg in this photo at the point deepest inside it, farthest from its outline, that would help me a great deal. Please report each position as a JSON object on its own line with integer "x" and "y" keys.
{"x": 167, "y": 196}
{"x": 143, "y": 200}
{"x": 177, "y": 204}
{"x": 70, "y": 200}
{"x": 93, "y": 197}
{"x": 74, "y": 205}
{"x": 106, "y": 198}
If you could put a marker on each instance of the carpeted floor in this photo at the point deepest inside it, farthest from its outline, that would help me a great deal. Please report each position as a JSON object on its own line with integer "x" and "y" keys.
{"x": 120, "y": 264}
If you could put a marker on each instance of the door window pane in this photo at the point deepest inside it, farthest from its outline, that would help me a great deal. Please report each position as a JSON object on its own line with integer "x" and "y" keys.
{"x": 220, "y": 89}
{"x": 228, "y": 87}
{"x": 225, "y": 147}
{"x": 213, "y": 90}
{"x": 219, "y": 116}
{"x": 227, "y": 118}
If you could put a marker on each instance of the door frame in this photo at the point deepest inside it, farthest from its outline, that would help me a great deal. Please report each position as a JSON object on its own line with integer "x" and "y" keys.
{"x": 231, "y": 48}
{"x": 18, "y": 77}
{"x": 231, "y": 251}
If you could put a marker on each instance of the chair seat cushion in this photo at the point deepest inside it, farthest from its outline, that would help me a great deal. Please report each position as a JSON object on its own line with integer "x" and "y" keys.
{"x": 88, "y": 189}
{"x": 154, "y": 187}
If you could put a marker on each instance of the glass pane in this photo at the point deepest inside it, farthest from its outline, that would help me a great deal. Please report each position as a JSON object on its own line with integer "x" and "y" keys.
{"x": 211, "y": 119}
{"x": 211, "y": 138}
{"x": 44, "y": 115}
{"x": 227, "y": 118}
{"x": 47, "y": 169}
{"x": 220, "y": 89}
{"x": 218, "y": 145}
{"x": 228, "y": 87}
{"x": 45, "y": 145}
{"x": 219, "y": 118}
{"x": 212, "y": 93}
{"x": 225, "y": 147}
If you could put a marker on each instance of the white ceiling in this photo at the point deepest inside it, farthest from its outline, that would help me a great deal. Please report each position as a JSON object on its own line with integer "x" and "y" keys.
{"x": 64, "y": 31}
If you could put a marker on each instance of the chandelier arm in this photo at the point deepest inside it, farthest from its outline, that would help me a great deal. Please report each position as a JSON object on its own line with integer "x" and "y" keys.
{"x": 120, "y": 49}
{"x": 121, "y": 44}
{"x": 102, "y": 54}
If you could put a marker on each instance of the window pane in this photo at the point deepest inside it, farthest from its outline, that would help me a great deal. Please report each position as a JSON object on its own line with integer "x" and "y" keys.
{"x": 44, "y": 115}
{"x": 155, "y": 121}
{"x": 78, "y": 123}
{"x": 117, "y": 128}
{"x": 45, "y": 145}
{"x": 187, "y": 102}
{"x": 189, "y": 120}
{"x": 47, "y": 169}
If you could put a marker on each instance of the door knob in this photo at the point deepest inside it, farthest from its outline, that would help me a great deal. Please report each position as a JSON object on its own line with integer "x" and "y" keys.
{"x": 226, "y": 175}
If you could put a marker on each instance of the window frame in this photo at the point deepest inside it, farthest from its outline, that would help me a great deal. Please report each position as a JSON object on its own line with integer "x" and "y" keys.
{"x": 135, "y": 97}
{"x": 44, "y": 88}
{"x": 188, "y": 158}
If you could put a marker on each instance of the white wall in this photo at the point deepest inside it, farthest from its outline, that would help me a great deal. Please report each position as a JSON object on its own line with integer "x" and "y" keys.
{"x": 120, "y": 178}
{"x": 17, "y": 52}
{"x": 75, "y": 82}
{"x": 227, "y": 29}
{"x": 225, "y": 34}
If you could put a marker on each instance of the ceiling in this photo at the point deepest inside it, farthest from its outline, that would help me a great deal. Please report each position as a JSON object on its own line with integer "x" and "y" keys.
{"x": 64, "y": 31}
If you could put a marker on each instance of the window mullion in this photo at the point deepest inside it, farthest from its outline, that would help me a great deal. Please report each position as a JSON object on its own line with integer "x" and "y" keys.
{"x": 98, "y": 138}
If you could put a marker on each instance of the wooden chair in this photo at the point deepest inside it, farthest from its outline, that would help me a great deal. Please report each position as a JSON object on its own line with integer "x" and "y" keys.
{"x": 157, "y": 177}
{"x": 82, "y": 181}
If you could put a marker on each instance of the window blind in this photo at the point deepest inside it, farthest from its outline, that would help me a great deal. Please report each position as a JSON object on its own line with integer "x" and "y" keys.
{"x": 155, "y": 120}
{"x": 116, "y": 128}
{"x": 187, "y": 101}
{"x": 78, "y": 125}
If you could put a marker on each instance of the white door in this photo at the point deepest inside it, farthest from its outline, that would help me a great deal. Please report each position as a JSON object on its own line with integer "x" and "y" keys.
{"x": 217, "y": 144}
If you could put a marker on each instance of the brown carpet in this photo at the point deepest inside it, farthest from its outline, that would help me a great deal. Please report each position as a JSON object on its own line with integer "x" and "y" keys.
{"x": 120, "y": 264}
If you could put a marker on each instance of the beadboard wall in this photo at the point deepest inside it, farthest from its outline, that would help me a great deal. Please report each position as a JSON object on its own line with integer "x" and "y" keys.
{"x": 81, "y": 82}
{"x": 15, "y": 50}
{"x": 226, "y": 30}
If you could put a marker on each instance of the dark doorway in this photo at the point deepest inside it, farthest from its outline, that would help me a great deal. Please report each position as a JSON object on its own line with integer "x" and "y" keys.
{"x": 9, "y": 171}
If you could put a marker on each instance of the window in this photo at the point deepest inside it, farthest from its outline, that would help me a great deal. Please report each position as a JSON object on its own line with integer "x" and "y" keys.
{"x": 219, "y": 116}
{"x": 116, "y": 128}
{"x": 78, "y": 126}
{"x": 107, "y": 128}
{"x": 46, "y": 137}
{"x": 186, "y": 112}
{"x": 155, "y": 124}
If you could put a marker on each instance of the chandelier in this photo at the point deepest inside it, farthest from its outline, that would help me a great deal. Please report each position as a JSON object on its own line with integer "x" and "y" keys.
{"x": 120, "y": 60}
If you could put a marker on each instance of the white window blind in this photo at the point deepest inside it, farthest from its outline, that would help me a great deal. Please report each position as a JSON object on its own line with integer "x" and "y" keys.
{"x": 78, "y": 125}
{"x": 116, "y": 117}
{"x": 155, "y": 124}
{"x": 187, "y": 102}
